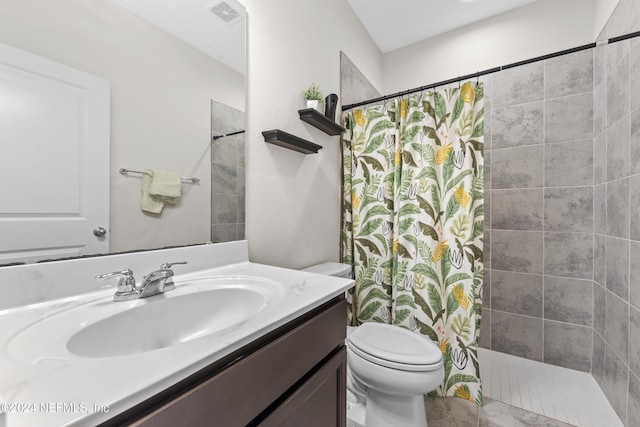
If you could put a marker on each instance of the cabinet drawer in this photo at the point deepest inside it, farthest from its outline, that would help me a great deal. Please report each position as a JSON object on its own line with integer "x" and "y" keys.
{"x": 320, "y": 402}
{"x": 239, "y": 393}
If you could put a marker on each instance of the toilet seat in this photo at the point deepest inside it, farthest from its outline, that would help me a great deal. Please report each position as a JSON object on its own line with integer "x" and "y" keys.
{"x": 395, "y": 347}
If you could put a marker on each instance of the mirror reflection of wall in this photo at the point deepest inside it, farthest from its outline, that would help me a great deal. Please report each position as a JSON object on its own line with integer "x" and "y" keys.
{"x": 160, "y": 114}
{"x": 227, "y": 173}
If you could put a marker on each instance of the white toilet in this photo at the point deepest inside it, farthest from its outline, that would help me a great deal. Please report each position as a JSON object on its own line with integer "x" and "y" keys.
{"x": 389, "y": 369}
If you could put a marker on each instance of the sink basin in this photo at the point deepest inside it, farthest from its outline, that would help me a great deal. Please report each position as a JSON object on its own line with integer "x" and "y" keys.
{"x": 195, "y": 309}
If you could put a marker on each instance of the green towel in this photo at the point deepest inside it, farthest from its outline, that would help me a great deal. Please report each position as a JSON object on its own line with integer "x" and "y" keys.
{"x": 159, "y": 188}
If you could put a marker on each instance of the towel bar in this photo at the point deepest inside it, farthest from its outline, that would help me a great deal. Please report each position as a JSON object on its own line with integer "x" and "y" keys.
{"x": 125, "y": 171}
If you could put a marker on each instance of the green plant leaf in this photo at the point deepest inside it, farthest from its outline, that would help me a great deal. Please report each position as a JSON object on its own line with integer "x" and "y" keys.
{"x": 405, "y": 300}
{"x": 461, "y": 326}
{"x": 460, "y": 225}
{"x": 401, "y": 315}
{"x": 455, "y": 277}
{"x": 452, "y": 304}
{"x": 428, "y": 271}
{"x": 428, "y": 230}
{"x": 452, "y": 208}
{"x": 435, "y": 300}
{"x": 374, "y": 294}
{"x": 420, "y": 302}
{"x": 457, "y": 109}
{"x": 427, "y": 330}
{"x": 459, "y": 378}
{"x": 373, "y": 248}
{"x": 370, "y": 227}
{"x": 367, "y": 312}
{"x": 440, "y": 106}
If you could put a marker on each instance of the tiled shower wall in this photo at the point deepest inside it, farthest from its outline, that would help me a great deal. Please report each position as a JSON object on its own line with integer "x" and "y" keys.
{"x": 227, "y": 174}
{"x": 616, "y": 337}
{"x": 538, "y": 294}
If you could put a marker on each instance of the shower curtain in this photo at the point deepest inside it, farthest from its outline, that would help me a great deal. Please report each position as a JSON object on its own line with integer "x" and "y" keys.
{"x": 413, "y": 222}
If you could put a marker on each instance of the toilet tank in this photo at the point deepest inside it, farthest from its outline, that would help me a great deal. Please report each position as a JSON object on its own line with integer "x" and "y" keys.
{"x": 336, "y": 269}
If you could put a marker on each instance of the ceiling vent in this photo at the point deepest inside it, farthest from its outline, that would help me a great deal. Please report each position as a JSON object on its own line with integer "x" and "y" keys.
{"x": 227, "y": 11}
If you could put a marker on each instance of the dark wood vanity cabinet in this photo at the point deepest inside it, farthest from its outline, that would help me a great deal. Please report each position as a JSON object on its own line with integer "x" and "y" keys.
{"x": 293, "y": 376}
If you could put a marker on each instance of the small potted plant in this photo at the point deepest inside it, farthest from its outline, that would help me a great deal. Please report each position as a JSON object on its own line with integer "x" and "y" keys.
{"x": 314, "y": 97}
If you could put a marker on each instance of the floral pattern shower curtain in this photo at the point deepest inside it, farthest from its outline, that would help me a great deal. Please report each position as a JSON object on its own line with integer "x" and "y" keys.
{"x": 413, "y": 222}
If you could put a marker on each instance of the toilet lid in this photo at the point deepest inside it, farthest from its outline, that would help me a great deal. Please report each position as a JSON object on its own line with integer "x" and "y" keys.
{"x": 382, "y": 343}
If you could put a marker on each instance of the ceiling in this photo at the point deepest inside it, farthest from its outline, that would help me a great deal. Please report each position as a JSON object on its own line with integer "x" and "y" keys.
{"x": 397, "y": 23}
{"x": 391, "y": 23}
{"x": 193, "y": 22}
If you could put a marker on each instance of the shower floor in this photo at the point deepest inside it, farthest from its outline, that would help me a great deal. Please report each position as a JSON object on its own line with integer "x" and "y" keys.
{"x": 562, "y": 394}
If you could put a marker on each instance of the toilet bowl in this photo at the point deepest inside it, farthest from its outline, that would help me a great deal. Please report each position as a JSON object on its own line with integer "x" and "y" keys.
{"x": 389, "y": 369}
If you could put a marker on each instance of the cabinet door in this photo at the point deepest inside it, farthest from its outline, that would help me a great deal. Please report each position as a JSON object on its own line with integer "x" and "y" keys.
{"x": 320, "y": 402}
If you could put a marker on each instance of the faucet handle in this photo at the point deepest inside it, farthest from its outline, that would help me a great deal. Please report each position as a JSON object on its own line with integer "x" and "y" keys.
{"x": 126, "y": 284}
{"x": 166, "y": 265}
{"x": 168, "y": 284}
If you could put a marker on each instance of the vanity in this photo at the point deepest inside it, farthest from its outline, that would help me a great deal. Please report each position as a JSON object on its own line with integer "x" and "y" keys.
{"x": 235, "y": 343}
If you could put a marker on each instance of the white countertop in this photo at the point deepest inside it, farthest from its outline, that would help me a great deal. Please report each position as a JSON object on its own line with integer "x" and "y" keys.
{"x": 61, "y": 388}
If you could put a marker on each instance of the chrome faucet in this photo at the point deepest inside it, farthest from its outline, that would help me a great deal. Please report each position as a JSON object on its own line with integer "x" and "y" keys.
{"x": 154, "y": 283}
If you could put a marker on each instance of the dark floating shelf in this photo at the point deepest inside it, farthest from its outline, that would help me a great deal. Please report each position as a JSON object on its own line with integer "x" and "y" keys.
{"x": 292, "y": 142}
{"x": 319, "y": 120}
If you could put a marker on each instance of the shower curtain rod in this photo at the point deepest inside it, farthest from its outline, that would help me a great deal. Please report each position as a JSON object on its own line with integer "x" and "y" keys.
{"x": 489, "y": 71}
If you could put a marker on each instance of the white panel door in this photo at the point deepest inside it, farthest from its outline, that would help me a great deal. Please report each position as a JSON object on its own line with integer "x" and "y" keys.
{"x": 54, "y": 159}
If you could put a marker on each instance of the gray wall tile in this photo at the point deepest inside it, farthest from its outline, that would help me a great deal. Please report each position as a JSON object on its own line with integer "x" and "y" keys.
{"x": 569, "y": 74}
{"x": 488, "y": 185}
{"x": 568, "y": 300}
{"x": 616, "y": 52}
{"x": 488, "y": 197}
{"x": 618, "y": 208}
{"x": 516, "y": 335}
{"x": 615, "y": 383}
{"x": 567, "y": 345}
{"x": 486, "y": 249}
{"x": 517, "y": 251}
{"x": 618, "y": 267}
{"x": 224, "y": 151}
{"x": 634, "y": 342}
{"x": 518, "y": 125}
{"x": 634, "y": 207}
{"x": 633, "y": 408}
{"x": 519, "y": 209}
{"x": 600, "y": 259}
{"x": 486, "y": 289}
{"x": 600, "y": 64}
{"x": 616, "y": 328}
{"x": 488, "y": 128}
{"x": 634, "y": 274}
{"x": 618, "y": 100}
{"x": 568, "y": 163}
{"x": 568, "y": 254}
{"x": 634, "y": 65}
{"x": 223, "y": 209}
{"x": 224, "y": 179}
{"x": 597, "y": 358}
{"x": 354, "y": 86}
{"x": 518, "y": 85}
{"x": 223, "y": 233}
{"x": 599, "y": 308}
{"x": 569, "y": 118}
{"x": 519, "y": 167}
{"x": 600, "y": 159}
{"x": 485, "y": 329}
{"x": 600, "y": 209}
{"x": 568, "y": 209}
{"x": 600, "y": 109}
{"x": 516, "y": 293}
{"x": 634, "y": 142}
{"x": 618, "y": 149}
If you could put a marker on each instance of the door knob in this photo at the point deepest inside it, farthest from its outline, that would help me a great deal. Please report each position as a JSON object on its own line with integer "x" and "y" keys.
{"x": 99, "y": 232}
